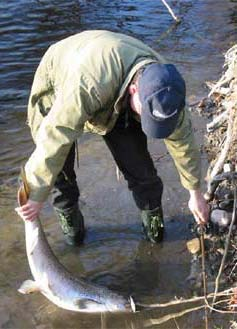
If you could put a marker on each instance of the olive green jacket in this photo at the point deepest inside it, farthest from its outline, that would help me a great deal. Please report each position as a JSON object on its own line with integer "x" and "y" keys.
{"x": 79, "y": 86}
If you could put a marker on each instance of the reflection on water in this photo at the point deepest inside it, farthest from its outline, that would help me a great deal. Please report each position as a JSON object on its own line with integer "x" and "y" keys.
{"x": 27, "y": 28}
{"x": 114, "y": 254}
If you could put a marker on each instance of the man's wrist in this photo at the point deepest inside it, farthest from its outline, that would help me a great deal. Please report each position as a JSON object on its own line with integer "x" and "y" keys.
{"x": 195, "y": 193}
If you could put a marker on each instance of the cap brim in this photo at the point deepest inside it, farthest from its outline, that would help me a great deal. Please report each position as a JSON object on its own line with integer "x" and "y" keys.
{"x": 154, "y": 128}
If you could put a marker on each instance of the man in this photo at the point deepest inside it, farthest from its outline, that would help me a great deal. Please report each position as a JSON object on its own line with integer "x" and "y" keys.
{"x": 116, "y": 86}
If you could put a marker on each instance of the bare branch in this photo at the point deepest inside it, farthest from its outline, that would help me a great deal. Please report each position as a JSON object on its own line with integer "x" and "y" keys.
{"x": 177, "y": 19}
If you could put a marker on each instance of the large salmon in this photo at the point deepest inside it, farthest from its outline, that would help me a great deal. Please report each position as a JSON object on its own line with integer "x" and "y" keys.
{"x": 53, "y": 280}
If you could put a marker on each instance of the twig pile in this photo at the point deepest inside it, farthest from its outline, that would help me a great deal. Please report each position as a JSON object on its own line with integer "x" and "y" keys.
{"x": 227, "y": 299}
{"x": 221, "y": 105}
{"x": 221, "y": 147}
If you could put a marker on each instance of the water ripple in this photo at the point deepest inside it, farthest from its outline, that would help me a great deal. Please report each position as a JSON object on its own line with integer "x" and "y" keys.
{"x": 28, "y": 27}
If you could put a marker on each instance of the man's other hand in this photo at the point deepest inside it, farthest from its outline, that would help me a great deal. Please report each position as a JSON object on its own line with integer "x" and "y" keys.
{"x": 198, "y": 206}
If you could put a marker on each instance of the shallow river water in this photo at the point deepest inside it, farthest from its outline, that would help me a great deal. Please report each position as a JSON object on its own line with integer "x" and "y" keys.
{"x": 114, "y": 254}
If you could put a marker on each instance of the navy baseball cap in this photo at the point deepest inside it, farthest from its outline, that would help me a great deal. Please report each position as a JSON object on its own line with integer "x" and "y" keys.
{"x": 162, "y": 92}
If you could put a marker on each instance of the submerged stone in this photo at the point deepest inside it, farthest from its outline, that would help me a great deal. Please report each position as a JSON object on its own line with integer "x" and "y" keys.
{"x": 193, "y": 246}
{"x": 220, "y": 217}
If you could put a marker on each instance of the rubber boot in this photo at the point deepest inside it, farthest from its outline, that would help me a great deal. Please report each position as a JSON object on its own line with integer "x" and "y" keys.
{"x": 153, "y": 224}
{"x": 72, "y": 223}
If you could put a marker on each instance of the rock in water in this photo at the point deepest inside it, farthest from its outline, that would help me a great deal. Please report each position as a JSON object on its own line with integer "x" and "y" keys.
{"x": 220, "y": 217}
{"x": 193, "y": 246}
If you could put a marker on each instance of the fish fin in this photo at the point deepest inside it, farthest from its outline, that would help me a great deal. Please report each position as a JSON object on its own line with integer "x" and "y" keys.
{"x": 28, "y": 287}
{"x": 86, "y": 303}
{"x": 132, "y": 303}
{"x": 35, "y": 234}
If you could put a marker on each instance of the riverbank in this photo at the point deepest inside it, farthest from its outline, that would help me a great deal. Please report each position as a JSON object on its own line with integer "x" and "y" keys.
{"x": 220, "y": 108}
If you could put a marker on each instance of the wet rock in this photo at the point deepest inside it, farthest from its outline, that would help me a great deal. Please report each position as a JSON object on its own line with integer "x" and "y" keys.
{"x": 193, "y": 246}
{"x": 220, "y": 217}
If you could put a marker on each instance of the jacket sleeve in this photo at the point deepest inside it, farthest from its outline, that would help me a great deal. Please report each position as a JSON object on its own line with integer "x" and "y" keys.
{"x": 181, "y": 146}
{"x": 58, "y": 130}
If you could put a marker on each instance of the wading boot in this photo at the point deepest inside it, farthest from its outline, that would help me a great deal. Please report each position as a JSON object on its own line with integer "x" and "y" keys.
{"x": 72, "y": 223}
{"x": 153, "y": 224}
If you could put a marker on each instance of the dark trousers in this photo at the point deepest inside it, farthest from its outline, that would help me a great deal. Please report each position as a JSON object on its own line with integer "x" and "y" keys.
{"x": 128, "y": 145}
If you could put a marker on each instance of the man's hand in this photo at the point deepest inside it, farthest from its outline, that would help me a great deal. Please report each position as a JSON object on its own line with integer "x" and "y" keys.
{"x": 198, "y": 206}
{"x": 30, "y": 210}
